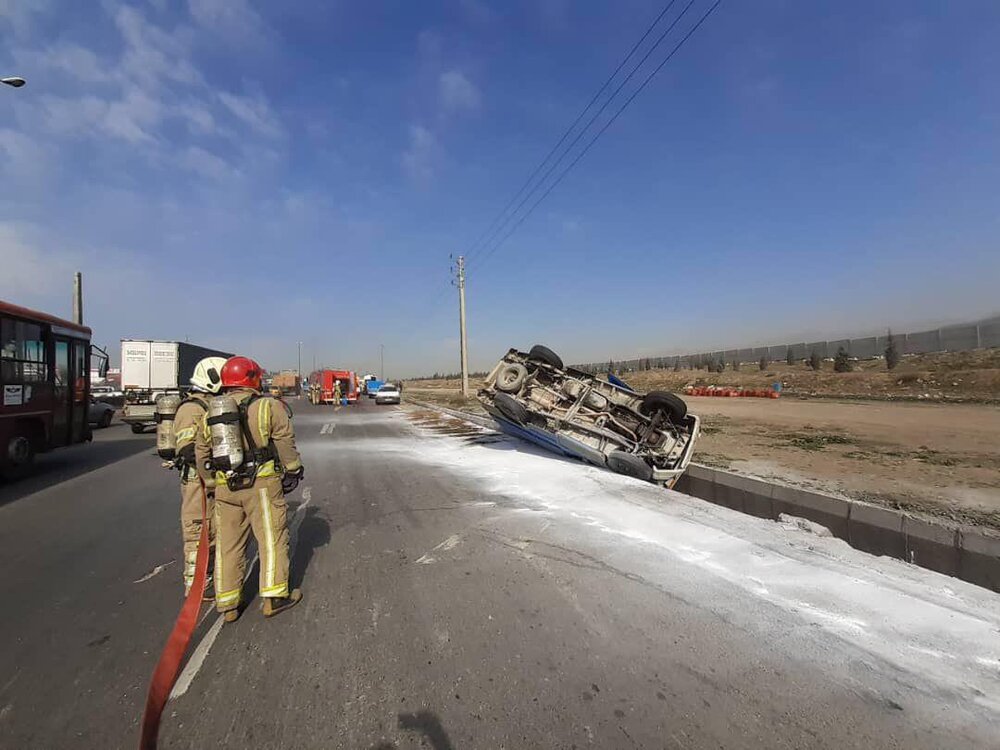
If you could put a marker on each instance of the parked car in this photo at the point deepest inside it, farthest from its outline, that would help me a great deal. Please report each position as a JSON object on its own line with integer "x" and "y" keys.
{"x": 387, "y": 394}
{"x": 100, "y": 413}
{"x": 533, "y": 396}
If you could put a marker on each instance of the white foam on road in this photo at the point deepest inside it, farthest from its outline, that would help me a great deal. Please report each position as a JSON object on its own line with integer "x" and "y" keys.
{"x": 883, "y": 606}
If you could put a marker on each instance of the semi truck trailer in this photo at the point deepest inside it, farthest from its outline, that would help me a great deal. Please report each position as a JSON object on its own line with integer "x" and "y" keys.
{"x": 153, "y": 368}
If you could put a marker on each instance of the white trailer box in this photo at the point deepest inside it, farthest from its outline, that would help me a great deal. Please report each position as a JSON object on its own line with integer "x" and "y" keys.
{"x": 152, "y": 368}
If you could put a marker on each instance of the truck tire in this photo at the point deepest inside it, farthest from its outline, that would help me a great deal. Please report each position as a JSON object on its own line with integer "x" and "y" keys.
{"x": 630, "y": 465}
{"x": 546, "y": 356}
{"x": 511, "y": 378}
{"x": 511, "y": 408}
{"x": 138, "y": 429}
{"x": 673, "y": 405}
{"x": 106, "y": 418}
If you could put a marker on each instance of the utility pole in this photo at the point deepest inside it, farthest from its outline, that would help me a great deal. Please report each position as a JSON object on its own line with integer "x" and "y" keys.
{"x": 78, "y": 298}
{"x": 300, "y": 363}
{"x": 381, "y": 362}
{"x": 461, "y": 326}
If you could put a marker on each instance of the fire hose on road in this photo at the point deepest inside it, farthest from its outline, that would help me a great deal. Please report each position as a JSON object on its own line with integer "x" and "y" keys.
{"x": 169, "y": 665}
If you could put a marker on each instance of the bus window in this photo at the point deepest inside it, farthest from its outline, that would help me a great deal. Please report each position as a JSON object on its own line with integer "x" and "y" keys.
{"x": 22, "y": 352}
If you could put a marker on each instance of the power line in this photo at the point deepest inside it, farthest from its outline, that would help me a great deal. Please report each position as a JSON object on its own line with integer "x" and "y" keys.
{"x": 597, "y": 114}
{"x": 603, "y": 129}
{"x": 475, "y": 245}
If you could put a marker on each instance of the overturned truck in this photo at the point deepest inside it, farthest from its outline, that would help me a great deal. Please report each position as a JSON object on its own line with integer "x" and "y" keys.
{"x": 533, "y": 396}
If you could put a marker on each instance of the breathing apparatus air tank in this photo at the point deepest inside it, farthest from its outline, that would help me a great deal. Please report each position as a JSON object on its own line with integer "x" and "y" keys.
{"x": 166, "y": 441}
{"x": 224, "y": 427}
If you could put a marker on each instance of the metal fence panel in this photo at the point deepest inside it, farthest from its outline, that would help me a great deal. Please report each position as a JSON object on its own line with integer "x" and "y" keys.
{"x": 864, "y": 348}
{"x": 817, "y": 346}
{"x": 989, "y": 332}
{"x": 776, "y": 353}
{"x": 833, "y": 346}
{"x": 745, "y": 355}
{"x": 959, "y": 338}
{"x": 922, "y": 342}
{"x": 760, "y": 351}
{"x": 798, "y": 351}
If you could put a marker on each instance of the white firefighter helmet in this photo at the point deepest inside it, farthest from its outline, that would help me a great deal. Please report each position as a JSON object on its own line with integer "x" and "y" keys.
{"x": 207, "y": 375}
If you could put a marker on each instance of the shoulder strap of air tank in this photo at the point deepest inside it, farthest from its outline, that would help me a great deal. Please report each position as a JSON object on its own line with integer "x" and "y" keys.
{"x": 261, "y": 453}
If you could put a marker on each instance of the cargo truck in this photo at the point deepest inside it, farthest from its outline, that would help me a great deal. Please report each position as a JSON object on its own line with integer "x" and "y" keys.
{"x": 151, "y": 369}
{"x": 286, "y": 383}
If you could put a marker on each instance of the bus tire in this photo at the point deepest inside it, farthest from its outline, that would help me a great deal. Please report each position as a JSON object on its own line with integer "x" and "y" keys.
{"x": 18, "y": 456}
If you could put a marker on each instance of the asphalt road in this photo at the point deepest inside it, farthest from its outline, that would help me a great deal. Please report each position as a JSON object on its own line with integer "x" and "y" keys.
{"x": 465, "y": 591}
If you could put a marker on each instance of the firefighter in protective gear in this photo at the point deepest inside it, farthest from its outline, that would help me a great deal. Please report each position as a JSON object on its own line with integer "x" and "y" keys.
{"x": 205, "y": 381}
{"x": 251, "y": 484}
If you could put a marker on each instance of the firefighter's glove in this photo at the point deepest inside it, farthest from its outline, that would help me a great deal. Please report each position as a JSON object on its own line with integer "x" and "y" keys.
{"x": 291, "y": 480}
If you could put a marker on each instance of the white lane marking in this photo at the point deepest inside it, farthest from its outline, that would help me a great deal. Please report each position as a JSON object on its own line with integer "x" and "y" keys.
{"x": 447, "y": 544}
{"x": 200, "y": 652}
{"x": 327, "y": 428}
{"x": 154, "y": 572}
{"x": 196, "y": 660}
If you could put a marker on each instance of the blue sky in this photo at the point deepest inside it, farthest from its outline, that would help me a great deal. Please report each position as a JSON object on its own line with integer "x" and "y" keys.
{"x": 251, "y": 174}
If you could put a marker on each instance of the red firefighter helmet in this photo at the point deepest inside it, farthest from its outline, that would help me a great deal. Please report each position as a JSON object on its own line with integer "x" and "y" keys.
{"x": 241, "y": 372}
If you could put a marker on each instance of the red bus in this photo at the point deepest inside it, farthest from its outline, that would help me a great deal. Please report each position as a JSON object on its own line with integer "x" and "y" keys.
{"x": 45, "y": 381}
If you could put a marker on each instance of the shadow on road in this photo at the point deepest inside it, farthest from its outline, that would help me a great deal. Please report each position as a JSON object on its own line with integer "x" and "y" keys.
{"x": 110, "y": 445}
{"x": 425, "y": 723}
{"x": 313, "y": 533}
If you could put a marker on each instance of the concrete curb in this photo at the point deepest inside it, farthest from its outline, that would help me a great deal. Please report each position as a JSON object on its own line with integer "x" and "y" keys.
{"x": 969, "y": 553}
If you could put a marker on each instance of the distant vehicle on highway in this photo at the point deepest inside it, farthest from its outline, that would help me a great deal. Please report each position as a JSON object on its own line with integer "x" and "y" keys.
{"x": 387, "y": 394}
{"x": 100, "y": 413}
{"x": 151, "y": 369}
{"x": 534, "y": 397}
{"x": 105, "y": 392}
{"x": 45, "y": 366}
{"x": 371, "y": 385}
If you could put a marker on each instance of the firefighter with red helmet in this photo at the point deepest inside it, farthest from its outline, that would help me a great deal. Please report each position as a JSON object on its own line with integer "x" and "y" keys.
{"x": 248, "y": 442}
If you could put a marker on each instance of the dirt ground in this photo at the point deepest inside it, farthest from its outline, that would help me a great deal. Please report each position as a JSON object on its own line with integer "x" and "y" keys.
{"x": 937, "y": 458}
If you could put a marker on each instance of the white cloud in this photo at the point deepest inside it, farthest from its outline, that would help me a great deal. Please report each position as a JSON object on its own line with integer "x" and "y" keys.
{"x": 229, "y": 18}
{"x": 75, "y": 61}
{"x": 254, "y": 111}
{"x": 30, "y": 275}
{"x": 418, "y": 158}
{"x": 457, "y": 92}
{"x": 153, "y": 55}
{"x": 207, "y": 164}
{"x": 22, "y": 157}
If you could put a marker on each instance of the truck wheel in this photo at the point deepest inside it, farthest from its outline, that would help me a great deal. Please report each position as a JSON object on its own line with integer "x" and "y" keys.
{"x": 511, "y": 378}
{"x": 655, "y": 401}
{"x": 138, "y": 429}
{"x": 630, "y": 465}
{"x": 546, "y": 356}
{"x": 106, "y": 419}
{"x": 18, "y": 457}
{"x": 511, "y": 408}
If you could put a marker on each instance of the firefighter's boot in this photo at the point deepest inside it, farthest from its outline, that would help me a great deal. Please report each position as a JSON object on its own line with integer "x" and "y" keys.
{"x": 231, "y": 615}
{"x": 274, "y": 605}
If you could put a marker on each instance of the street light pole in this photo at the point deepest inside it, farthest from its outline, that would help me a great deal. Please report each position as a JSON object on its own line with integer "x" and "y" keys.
{"x": 461, "y": 326}
{"x": 300, "y": 363}
{"x": 381, "y": 361}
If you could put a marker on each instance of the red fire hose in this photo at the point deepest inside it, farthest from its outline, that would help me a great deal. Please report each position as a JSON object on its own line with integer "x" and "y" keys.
{"x": 169, "y": 665}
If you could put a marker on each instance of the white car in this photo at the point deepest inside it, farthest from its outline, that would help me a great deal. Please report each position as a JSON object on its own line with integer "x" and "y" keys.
{"x": 387, "y": 394}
